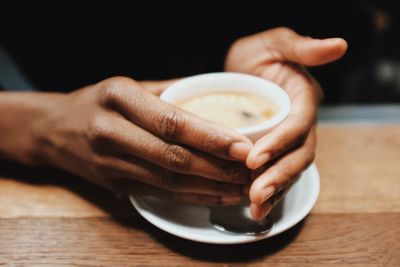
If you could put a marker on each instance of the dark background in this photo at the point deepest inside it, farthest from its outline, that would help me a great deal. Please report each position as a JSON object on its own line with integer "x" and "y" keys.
{"x": 64, "y": 45}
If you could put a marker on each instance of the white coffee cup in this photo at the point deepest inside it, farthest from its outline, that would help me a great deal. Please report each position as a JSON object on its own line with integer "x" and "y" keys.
{"x": 236, "y": 83}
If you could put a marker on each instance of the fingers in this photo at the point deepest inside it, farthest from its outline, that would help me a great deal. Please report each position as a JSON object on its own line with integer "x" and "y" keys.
{"x": 284, "y": 172}
{"x": 261, "y": 211}
{"x": 305, "y": 95}
{"x": 290, "y": 134}
{"x": 173, "y": 124}
{"x": 144, "y": 172}
{"x": 157, "y": 87}
{"x": 300, "y": 49}
{"x": 136, "y": 188}
{"x": 128, "y": 139}
{"x": 270, "y": 188}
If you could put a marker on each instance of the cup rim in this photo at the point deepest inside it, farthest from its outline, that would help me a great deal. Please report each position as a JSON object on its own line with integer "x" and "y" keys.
{"x": 284, "y": 108}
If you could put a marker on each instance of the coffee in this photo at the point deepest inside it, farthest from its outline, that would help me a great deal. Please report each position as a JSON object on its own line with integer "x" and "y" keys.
{"x": 234, "y": 110}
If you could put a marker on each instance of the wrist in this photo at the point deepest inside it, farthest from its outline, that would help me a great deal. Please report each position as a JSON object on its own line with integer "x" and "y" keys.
{"x": 23, "y": 127}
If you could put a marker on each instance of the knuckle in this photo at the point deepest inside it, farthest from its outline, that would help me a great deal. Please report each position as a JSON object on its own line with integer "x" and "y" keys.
{"x": 110, "y": 92}
{"x": 177, "y": 157}
{"x": 168, "y": 124}
{"x": 215, "y": 143}
{"x": 283, "y": 144}
{"x": 100, "y": 129}
{"x": 282, "y": 30}
{"x": 118, "y": 81}
{"x": 285, "y": 176}
{"x": 206, "y": 143}
{"x": 113, "y": 89}
{"x": 229, "y": 173}
{"x": 235, "y": 174}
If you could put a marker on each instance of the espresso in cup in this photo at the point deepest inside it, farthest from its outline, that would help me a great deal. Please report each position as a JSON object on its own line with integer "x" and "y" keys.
{"x": 230, "y": 109}
{"x": 250, "y": 105}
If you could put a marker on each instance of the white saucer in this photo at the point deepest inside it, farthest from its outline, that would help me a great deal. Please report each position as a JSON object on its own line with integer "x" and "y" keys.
{"x": 192, "y": 222}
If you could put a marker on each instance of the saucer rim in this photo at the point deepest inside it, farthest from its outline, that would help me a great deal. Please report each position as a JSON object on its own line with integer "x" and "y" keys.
{"x": 144, "y": 210}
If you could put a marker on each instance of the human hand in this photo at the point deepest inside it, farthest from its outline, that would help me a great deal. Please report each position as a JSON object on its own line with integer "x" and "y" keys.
{"x": 118, "y": 135}
{"x": 280, "y": 55}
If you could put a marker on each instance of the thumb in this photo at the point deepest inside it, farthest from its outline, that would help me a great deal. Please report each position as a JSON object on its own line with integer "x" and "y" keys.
{"x": 304, "y": 50}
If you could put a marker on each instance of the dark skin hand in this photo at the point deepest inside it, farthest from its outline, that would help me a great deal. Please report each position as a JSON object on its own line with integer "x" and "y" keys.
{"x": 118, "y": 135}
{"x": 279, "y": 157}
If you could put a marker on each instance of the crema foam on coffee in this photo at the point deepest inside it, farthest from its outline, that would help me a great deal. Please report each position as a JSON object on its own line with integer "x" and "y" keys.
{"x": 234, "y": 110}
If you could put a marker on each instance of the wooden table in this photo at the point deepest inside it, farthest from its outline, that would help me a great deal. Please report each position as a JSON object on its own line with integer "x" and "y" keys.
{"x": 49, "y": 219}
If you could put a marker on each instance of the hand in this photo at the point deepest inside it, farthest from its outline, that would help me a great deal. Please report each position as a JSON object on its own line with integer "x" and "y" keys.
{"x": 279, "y": 55}
{"x": 122, "y": 137}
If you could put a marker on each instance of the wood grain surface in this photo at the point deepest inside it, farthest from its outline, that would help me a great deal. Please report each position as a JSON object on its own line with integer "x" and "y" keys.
{"x": 360, "y": 169}
{"x": 48, "y": 218}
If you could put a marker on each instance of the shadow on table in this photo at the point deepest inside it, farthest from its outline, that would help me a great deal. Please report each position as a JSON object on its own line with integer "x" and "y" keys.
{"x": 239, "y": 253}
{"x": 50, "y": 176}
{"x": 216, "y": 253}
{"x": 123, "y": 213}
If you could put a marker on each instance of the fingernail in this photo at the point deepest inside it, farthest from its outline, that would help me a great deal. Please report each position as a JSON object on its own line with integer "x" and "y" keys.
{"x": 239, "y": 150}
{"x": 238, "y": 174}
{"x": 231, "y": 200}
{"x": 261, "y": 160}
{"x": 268, "y": 192}
{"x": 332, "y": 40}
{"x": 265, "y": 209}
